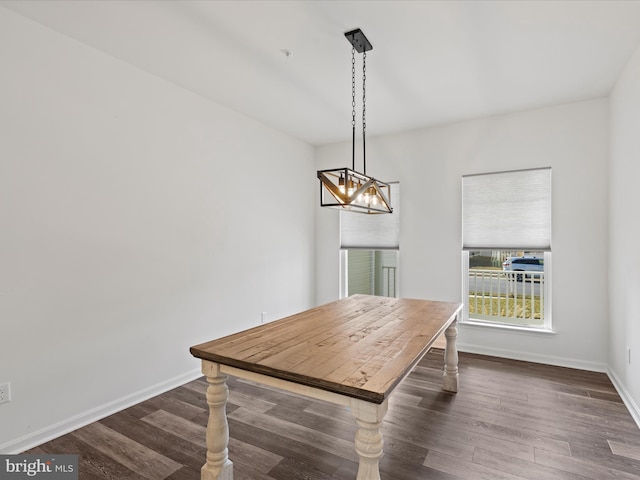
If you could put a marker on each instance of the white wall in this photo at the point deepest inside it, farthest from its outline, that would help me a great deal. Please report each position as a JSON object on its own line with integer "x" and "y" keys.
{"x": 624, "y": 228}
{"x": 429, "y": 163}
{"x": 137, "y": 219}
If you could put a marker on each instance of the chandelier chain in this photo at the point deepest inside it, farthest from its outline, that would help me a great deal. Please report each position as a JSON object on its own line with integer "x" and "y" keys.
{"x": 353, "y": 87}
{"x": 364, "y": 93}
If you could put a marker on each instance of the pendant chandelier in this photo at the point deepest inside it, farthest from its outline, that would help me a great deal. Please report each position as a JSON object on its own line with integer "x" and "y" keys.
{"x": 345, "y": 188}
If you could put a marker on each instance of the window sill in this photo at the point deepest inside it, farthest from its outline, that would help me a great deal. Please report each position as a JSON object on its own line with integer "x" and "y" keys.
{"x": 517, "y": 328}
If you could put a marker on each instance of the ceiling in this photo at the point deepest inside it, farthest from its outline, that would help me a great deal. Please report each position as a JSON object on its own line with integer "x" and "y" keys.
{"x": 433, "y": 62}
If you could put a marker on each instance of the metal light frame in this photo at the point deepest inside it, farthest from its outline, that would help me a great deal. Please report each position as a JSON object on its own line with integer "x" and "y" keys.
{"x": 345, "y": 188}
{"x": 350, "y": 190}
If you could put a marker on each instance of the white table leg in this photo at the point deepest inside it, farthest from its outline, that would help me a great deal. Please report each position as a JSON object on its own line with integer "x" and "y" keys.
{"x": 451, "y": 358}
{"x": 368, "y": 441}
{"x": 218, "y": 465}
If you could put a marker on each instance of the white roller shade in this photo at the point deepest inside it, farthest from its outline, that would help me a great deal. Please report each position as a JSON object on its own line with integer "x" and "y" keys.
{"x": 373, "y": 232}
{"x": 507, "y": 210}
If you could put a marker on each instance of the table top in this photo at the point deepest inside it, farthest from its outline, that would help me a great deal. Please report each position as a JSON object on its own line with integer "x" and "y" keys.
{"x": 361, "y": 346}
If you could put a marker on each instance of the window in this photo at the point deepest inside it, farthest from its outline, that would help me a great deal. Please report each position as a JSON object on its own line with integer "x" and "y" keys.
{"x": 506, "y": 258}
{"x": 507, "y": 287}
{"x": 369, "y": 249}
{"x": 371, "y": 272}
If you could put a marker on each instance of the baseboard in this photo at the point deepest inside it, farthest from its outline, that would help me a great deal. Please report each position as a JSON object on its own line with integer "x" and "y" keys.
{"x": 535, "y": 358}
{"x": 43, "y": 435}
{"x": 631, "y": 405}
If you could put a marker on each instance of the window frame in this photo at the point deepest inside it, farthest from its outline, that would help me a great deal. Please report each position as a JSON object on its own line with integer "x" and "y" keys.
{"x": 525, "y": 198}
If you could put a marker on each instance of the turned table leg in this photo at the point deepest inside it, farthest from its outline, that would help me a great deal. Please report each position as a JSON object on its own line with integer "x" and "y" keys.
{"x": 451, "y": 358}
{"x": 218, "y": 465}
{"x": 368, "y": 437}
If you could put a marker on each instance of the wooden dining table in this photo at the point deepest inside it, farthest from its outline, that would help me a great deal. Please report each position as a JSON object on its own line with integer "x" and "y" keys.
{"x": 352, "y": 352}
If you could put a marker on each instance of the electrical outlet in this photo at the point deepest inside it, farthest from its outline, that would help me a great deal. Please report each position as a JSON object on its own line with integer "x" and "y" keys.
{"x": 263, "y": 317}
{"x": 5, "y": 392}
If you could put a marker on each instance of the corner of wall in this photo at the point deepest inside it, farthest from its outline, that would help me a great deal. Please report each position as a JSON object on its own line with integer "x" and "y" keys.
{"x": 628, "y": 401}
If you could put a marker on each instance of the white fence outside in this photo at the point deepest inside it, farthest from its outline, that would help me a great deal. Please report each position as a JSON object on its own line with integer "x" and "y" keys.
{"x": 515, "y": 298}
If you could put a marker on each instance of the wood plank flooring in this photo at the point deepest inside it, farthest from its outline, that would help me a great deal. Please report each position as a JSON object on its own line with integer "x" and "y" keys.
{"x": 510, "y": 421}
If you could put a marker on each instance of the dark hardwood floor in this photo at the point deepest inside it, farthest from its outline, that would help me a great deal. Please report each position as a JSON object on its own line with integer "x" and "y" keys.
{"x": 510, "y": 420}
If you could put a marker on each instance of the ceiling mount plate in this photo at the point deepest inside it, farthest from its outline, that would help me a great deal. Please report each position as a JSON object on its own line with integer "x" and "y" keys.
{"x": 358, "y": 40}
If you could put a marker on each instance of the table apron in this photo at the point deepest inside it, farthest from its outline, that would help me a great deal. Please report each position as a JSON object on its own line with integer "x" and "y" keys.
{"x": 308, "y": 391}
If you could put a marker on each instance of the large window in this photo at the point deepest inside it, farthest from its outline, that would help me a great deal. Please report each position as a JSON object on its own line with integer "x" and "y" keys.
{"x": 369, "y": 251}
{"x": 506, "y": 254}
